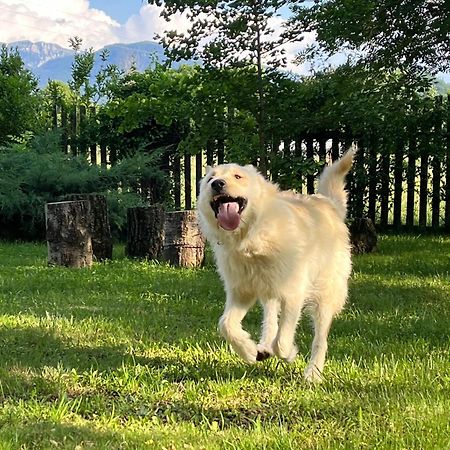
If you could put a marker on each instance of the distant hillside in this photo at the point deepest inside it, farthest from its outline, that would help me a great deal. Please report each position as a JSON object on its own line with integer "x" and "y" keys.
{"x": 52, "y": 62}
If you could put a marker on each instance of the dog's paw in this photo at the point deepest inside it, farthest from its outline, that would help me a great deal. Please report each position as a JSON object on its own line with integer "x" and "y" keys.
{"x": 284, "y": 352}
{"x": 247, "y": 350}
{"x": 313, "y": 375}
{"x": 263, "y": 352}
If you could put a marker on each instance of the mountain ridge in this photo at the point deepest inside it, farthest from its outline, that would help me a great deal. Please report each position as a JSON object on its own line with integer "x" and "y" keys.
{"x": 49, "y": 61}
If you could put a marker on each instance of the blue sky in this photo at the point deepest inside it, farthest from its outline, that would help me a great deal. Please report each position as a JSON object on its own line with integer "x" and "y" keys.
{"x": 119, "y": 10}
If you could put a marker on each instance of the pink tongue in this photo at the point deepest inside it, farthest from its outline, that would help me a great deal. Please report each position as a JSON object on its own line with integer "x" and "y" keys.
{"x": 228, "y": 216}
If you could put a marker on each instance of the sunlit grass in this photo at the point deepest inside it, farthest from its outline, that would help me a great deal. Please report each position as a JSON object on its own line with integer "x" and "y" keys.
{"x": 126, "y": 355}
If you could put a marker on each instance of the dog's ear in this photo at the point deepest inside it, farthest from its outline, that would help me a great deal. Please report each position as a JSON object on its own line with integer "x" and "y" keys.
{"x": 208, "y": 169}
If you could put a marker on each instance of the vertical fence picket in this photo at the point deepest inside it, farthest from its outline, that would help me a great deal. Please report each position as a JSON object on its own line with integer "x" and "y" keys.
{"x": 220, "y": 151}
{"x": 436, "y": 165}
{"x": 93, "y": 145}
{"x": 423, "y": 179}
{"x": 298, "y": 154}
{"x": 359, "y": 181}
{"x": 398, "y": 183}
{"x": 103, "y": 155}
{"x": 447, "y": 170}
{"x": 335, "y": 148}
{"x": 187, "y": 181}
{"x": 198, "y": 172}
{"x": 384, "y": 186}
{"x": 64, "y": 135}
{"x": 176, "y": 174}
{"x": 73, "y": 132}
{"x": 310, "y": 155}
{"x": 411, "y": 181}
{"x": 373, "y": 178}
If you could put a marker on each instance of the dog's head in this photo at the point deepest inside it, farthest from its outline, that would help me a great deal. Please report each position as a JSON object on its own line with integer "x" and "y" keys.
{"x": 228, "y": 193}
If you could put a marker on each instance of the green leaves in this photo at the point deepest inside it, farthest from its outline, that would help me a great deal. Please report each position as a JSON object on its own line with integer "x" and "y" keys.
{"x": 390, "y": 34}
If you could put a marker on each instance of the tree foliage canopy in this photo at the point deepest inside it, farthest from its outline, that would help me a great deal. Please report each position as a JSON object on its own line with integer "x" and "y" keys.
{"x": 18, "y": 94}
{"x": 405, "y": 34}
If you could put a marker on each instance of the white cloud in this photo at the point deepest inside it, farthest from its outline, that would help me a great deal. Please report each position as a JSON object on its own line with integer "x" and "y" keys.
{"x": 148, "y": 23}
{"x": 55, "y": 21}
{"x": 58, "y": 20}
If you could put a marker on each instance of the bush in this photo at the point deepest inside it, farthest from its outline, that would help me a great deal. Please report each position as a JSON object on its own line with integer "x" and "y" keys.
{"x": 34, "y": 171}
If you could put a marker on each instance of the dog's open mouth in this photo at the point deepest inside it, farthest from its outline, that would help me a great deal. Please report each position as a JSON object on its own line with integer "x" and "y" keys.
{"x": 228, "y": 210}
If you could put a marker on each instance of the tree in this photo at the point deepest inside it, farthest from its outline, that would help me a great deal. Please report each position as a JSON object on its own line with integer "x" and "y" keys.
{"x": 18, "y": 96}
{"x": 411, "y": 35}
{"x": 231, "y": 34}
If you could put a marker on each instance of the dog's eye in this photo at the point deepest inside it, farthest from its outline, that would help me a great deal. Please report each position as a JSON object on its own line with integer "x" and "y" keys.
{"x": 238, "y": 177}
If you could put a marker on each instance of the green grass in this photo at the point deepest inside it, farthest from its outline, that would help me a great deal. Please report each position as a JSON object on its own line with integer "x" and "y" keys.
{"x": 126, "y": 355}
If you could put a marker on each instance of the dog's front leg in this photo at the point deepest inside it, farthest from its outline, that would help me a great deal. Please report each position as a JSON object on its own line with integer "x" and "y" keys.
{"x": 231, "y": 329}
{"x": 269, "y": 329}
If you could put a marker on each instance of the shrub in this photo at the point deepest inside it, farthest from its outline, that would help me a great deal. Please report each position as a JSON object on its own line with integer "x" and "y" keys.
{"x": 34, "y": 171}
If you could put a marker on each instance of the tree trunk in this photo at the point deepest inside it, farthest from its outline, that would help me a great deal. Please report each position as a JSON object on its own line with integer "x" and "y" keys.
{"x": 145, "y": 232}
{"x": 102, "y": 245}
{"x": 363, "y": 236}
{"x": 69, "y": 233}
{"x": 184, "y": 245}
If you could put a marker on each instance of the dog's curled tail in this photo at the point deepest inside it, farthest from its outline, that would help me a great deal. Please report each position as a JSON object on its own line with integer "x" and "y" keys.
{"x": 332, "y": 181}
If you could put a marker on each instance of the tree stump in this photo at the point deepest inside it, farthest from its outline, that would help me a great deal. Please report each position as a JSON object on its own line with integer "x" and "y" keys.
{"x": 68, "y": 227}
{"x": 184, "y": 245}
{"x": 363, "y": 236}
{"x": 145, "y": 232}
{"x": 102, "y": 245}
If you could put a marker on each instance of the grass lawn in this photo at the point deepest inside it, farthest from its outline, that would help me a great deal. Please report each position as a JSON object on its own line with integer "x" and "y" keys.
{"x": 126, "y": 355}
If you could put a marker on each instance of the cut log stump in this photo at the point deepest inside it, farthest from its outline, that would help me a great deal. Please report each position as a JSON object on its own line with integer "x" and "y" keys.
{"x": 184, "y": 245}
{"x": 102, "y": 245}
{"x": 145, "y": 232}
{"x": 68, "y": 226}
{"x": 363, "y": 236}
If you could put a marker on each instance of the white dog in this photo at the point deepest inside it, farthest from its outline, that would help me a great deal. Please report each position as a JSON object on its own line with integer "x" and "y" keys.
{"x": 288, "y": 251}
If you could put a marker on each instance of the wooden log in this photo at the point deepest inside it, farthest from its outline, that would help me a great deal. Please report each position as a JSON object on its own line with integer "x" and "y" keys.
{"x": 363, "y": 235}
{"x": 102, "y": 245}
{"x": 183, "y": 245}
{"x": 145, "y": 232}
{"x": 68, "y": 227}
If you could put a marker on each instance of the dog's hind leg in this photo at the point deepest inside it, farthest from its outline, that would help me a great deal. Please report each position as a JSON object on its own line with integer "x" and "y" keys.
{"x": 269, "y": 329}
{"x": 322, "y": 322}
{"x": 323, "y": 313}
{"x": 231, "y": 329}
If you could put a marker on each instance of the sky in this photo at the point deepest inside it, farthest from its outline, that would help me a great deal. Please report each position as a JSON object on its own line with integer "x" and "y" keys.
{"x": 97, "y": 22}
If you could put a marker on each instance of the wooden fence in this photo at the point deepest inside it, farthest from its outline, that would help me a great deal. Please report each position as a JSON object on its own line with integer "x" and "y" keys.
{"x": 400, "y": 182}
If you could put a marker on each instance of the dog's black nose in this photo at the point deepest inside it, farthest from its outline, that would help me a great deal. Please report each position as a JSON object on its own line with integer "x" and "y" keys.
{"x": 218, "y": 185}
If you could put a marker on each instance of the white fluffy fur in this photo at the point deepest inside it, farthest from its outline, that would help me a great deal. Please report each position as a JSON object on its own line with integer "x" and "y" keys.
{"x": 289, "y": 251}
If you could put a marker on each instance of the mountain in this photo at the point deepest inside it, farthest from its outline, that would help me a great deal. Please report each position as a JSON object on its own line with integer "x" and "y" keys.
{"x": 52, "y": 62}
